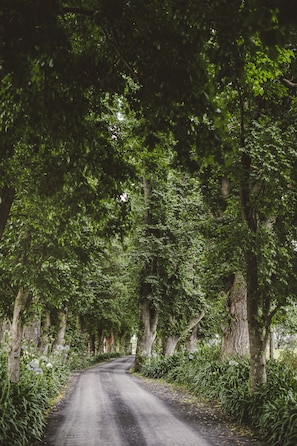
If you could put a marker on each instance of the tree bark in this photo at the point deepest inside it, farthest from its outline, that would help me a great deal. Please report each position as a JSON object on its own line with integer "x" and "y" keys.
{"x": 147, "y": 333}
{"x": 32, "y": 328}
{"x": 191, "y": 328}
{"x": 110, "y": 342}
{"x": 92, "y": 339}
{"x": 170, "y": 345}
{"x": 258, "y": 339}
{"x": 271, "y": 344}
{"x": 100, "y": 341}
{"x": 62, "y": 327}
{"x": 22, "y": 301}
{"x": 45, "y": 333}
{"x": 235, "y": 341}
{"x": 192, "y": 343}
{"x": 16, "y": 331}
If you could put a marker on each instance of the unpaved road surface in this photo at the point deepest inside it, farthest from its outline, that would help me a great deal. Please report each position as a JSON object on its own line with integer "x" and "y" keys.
{"x": 107, "y": 406}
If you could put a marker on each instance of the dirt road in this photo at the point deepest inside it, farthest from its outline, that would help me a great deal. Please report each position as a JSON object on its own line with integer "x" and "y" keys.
{"x": 107, "y": 406}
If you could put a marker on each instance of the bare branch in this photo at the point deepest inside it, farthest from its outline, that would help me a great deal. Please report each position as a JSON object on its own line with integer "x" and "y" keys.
{"x": 290, "y": 83}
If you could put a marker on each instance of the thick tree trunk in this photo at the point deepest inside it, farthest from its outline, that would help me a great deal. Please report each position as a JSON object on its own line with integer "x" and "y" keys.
{"x": 16, "y": 330}
{"x": 235, "y": 341}
{"x": 31, "y": 332}
{"x": 147, "y": 333}
{"x": 110, "y": 342}
{"x": 32, "y": 328}
{"x": 62, "y": 327}
{"x": 100, "y": 341}
{"x": 170, "y": 344}
{"x": 92, "y": 339}
{"x": 257, "y": 336}
{"x": 45, "y": 333}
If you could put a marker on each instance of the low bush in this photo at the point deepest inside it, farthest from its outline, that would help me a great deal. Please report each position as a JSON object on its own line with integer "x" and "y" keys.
{"x": 272, "y": 410}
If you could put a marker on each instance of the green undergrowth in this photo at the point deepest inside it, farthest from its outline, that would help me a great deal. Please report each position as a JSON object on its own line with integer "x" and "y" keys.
{"x": 272, "y": 411}
{"x": 25, "y": 404}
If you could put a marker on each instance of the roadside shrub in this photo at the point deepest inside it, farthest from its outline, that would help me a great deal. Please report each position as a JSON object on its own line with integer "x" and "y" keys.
{"x": 103, "y": 357}
{"x": 160, "y": 367}
{"x": 272, "y": 410}
{"x": 23, "y": 405}
{"x": 234, "y": 389}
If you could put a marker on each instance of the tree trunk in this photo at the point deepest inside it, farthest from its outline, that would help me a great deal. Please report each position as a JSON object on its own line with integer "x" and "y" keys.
{"x": 32, "y": 328}
{"x": 100, "y": 340}
{"x": 193, "y": 339}
{"x": 148, "y": 312}
{"x": 190, "y": 332}
{"x": 258, "y": 340}
{"x": 271, "y": 345}
{"x": 235, "y": 341}
{"x": 16, "y": 330}
{"x": 147, "y": 333}
{"x": 170, "y": 344}
{"x": 62, "y": 327}
{"x": 254, "y": 299}
{"x": 45, "y": 333}
{"x": 31, "y": 332}
{"x": 92, "y": 338}
{"x": 110, "y": 342}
